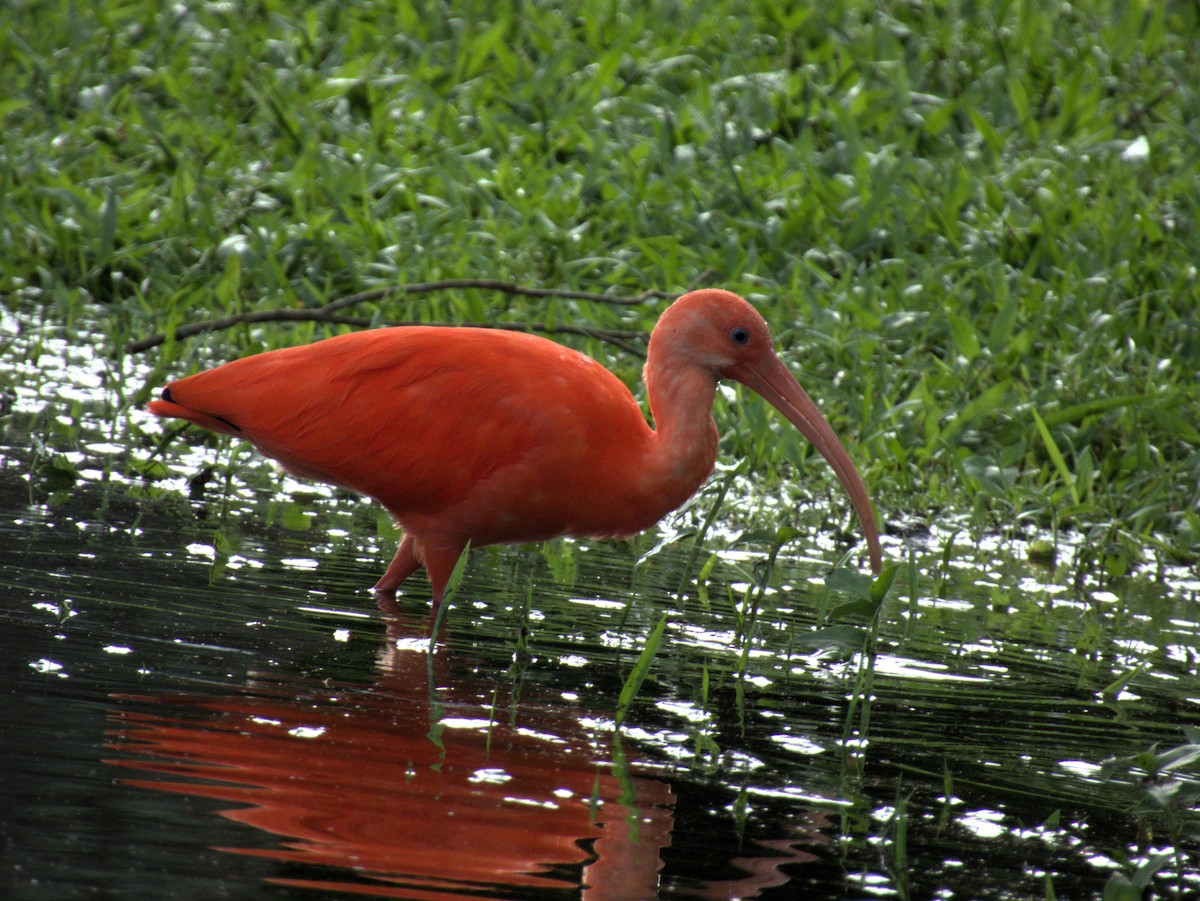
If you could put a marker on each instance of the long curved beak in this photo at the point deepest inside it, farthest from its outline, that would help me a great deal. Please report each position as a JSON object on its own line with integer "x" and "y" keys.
{"x": 779, "y": 387}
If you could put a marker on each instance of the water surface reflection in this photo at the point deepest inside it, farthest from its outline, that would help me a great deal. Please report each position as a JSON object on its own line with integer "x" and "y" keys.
{"x": 427, "y": 782}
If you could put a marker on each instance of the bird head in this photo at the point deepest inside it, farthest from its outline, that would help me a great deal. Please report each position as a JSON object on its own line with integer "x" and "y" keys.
{"x": 721, "y": 331}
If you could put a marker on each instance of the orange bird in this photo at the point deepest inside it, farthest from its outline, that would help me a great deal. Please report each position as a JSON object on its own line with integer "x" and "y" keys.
{"x": 492, "y": 437}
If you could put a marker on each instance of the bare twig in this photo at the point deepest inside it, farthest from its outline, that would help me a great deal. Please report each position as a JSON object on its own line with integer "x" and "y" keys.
{"x": 616, "y": 337}
{"x": 327, "y": 312}
{"x": 491, "y": 284}
{"x": 216, "y": 325}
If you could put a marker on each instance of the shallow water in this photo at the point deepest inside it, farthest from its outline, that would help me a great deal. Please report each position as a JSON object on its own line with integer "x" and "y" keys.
{"x": 202, "y": 700}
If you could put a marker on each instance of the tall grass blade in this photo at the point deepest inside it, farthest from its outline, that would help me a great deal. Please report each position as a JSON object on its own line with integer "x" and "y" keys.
{"x": 633, "y": 682}
{"x": 1056, "y": 456}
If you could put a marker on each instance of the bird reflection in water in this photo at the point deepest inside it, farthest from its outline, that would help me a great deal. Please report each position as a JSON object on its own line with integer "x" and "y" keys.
{"x": 427, "y": 784}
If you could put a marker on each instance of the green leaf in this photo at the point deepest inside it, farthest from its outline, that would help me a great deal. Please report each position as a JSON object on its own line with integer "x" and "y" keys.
{"x": 1115, "y": 687}
{"x": 964, "y": 336}
{"x": 863, "y": 609}
{"x": 1019, "y": 98}
{"x": 1056, "y": 456}
{"x": 481, "y": 47}
{"x": 637, "y": 675}
{"x": 883, "y": 583}
{"x": 1078, "y": 412}
{"x": 839, "y": 636}
{"x": 222, "y": 550}
{"x": 1004, "y": 322}
{"x": 1177, "y": 757}
{"x": 845, "y": 580}
{"x": 293, "y": 518}
{"x": 990, "y": 135}
{"x": 987, "y": 402}
{"x": 1122, "y": 887}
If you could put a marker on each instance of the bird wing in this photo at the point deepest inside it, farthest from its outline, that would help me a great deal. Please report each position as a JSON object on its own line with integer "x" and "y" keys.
{"x": 490, "y": 424}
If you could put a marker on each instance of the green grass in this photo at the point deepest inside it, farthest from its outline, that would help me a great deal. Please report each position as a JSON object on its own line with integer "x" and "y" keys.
{"x": 939, "y": 206}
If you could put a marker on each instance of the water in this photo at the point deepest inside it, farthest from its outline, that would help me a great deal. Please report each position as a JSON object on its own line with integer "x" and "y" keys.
{"x": 202, "y": 700}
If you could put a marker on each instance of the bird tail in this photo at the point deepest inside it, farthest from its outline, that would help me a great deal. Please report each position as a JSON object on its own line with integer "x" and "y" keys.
{"x": 168, "y": 408}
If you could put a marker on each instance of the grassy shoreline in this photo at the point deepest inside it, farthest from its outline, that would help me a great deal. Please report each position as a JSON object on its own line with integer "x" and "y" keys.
{"x": 974, "y": 229}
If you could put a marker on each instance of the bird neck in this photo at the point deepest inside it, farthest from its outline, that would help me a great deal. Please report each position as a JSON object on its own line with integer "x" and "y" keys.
{"x": 685, "y": 437}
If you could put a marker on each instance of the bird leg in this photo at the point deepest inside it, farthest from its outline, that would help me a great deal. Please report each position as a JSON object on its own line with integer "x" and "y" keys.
{"x": 439, "y": 566}
{"x": 404, "y": 564}
{"x": 410, "y": 556}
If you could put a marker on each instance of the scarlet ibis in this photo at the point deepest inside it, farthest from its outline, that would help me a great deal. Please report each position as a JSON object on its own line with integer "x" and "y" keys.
{"x": 493, "y": 437}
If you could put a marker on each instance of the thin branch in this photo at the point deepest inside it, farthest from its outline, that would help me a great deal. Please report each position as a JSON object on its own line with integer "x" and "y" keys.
{"x": 216, "y": 325}
{"x": 326, "y": 313}
{"x": 491, "y": 284}
{"x": 616, "y": 337}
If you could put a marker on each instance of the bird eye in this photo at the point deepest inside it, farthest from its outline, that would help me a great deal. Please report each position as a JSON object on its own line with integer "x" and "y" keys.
{"x": 739, "y": 335}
